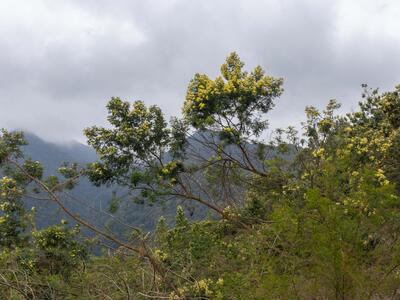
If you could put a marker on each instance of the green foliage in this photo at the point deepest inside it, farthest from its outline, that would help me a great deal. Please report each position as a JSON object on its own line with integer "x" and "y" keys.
{"x": 181, "y": 221}
{"x": 234, "y": 101}
{"x": 57, "y": 250}
{"x": 132, "y": 152}
{"x": 161, "y": 231}
{"x": 13, "y": 218}
{"x": 10, "y": 143}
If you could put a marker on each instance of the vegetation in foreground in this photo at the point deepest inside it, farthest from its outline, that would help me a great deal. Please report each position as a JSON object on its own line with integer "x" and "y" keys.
{"x": 309, "y": 215}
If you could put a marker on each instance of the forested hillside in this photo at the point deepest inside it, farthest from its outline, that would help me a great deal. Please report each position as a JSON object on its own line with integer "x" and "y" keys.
{"x": 91, "y": 202}
{"x": 307, "y": 212}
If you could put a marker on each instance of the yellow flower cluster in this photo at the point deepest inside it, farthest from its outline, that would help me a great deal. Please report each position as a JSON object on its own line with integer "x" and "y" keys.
{"x": 204, "y": 286}
{"x": 350, "y": 204}
{"x": 380, "y": 175}
{"x": 8, "y": 188}
{"x": 230, "y": 212}
{"x": 319, "y": 153}
{"x": 161, "y": 255}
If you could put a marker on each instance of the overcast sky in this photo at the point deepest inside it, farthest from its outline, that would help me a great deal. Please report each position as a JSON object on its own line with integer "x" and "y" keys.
{"x": 61, "y": 61}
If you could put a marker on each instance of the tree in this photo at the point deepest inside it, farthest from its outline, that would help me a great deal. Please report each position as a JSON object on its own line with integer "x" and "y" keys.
{"x": 157, "y": 160}
{"x": 14, "y": 220}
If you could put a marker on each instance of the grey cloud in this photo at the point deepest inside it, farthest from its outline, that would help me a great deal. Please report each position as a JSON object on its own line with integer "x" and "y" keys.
{"x": 55, "y": 81}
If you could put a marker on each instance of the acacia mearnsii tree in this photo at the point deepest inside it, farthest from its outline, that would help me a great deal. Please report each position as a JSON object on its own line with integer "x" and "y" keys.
{"x": 207, "y": 156}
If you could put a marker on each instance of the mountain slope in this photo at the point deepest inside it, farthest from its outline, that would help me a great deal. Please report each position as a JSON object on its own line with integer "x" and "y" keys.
{"x": 88, "y": 201}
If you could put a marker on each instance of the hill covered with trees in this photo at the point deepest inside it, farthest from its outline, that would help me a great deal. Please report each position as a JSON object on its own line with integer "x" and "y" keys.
{"x": 93, "y": 203}
{"x": 310, "y": 213}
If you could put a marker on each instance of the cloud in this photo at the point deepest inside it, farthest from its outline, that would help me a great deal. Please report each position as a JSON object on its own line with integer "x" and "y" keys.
{"x": 61, "y": 61}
